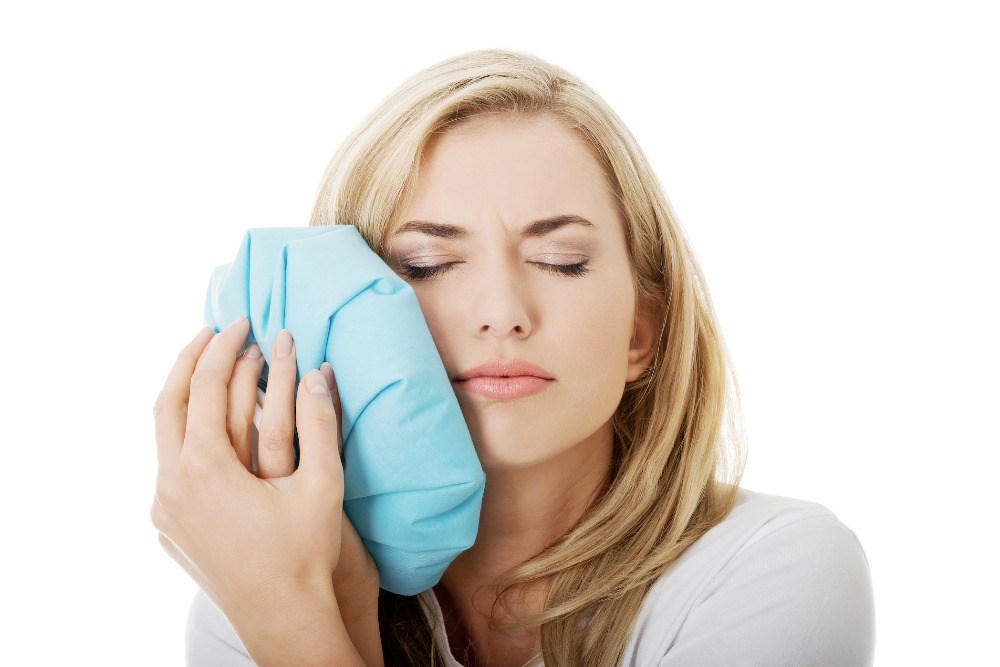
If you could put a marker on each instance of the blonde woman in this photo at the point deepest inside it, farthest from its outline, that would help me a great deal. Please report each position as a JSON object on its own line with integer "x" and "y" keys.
{"x": 575, "y": 325}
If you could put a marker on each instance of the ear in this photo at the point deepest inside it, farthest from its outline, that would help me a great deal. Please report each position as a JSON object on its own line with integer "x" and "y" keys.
{"x": 645, "y": 338}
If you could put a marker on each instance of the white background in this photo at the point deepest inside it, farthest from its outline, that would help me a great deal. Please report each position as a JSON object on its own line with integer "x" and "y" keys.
{"x": 835, "y": 164}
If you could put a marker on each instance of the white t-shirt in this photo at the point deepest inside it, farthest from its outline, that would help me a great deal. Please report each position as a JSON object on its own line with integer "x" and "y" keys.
{"x": 779, "y": 582}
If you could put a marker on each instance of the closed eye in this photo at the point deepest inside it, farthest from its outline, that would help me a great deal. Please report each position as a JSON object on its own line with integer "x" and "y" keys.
{"x": 578, "y": 269}
{"x": 414, "y": 272}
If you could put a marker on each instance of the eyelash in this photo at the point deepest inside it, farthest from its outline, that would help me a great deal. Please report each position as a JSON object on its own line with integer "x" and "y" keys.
{"x": 425, "y": 272}
{"x": 572, "y": 270}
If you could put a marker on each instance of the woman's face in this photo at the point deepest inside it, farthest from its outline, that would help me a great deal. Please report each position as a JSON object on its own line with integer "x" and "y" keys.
{"x": 517, "y": 255}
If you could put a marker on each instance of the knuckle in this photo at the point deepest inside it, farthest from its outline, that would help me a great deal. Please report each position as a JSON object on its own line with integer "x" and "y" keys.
{"x": 187, "y": 354}
{"x": 159, "y": 407}
{"x": 325, "y": 495}
{"x": 276, "y": 436}
{"x": 202, "y": 378}
{"x": 323, "y": 420}
{"x": 158, "y": 516}
{"x": 206, "y": 376}
{"x": 194, "y": 465}
{"x": 238, "y": 430}
{"x": 237, "y": 421}
{"x": 169, "y": 497}
{"x": 199, "y": 470}
{"x": 327, "y": 490}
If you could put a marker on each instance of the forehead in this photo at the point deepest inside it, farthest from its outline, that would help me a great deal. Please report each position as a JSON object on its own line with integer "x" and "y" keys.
{"x": 509, "y": 168}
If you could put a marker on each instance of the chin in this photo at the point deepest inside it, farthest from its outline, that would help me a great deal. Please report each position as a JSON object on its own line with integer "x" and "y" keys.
{"x": 529, "y": 431}
{"x": 507, "y": 442}
{"x": 509, "y": 456}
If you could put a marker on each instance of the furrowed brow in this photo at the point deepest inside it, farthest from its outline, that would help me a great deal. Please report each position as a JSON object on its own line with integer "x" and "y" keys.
{"x": 549, "y": 225}
{"x": 438, "y": 229}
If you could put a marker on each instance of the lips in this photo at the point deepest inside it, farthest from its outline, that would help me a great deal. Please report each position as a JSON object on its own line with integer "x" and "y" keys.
{"x": 504, "y": 379}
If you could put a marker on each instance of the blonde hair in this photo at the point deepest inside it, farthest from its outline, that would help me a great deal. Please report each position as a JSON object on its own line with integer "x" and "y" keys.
{"x": 677, "y": 455}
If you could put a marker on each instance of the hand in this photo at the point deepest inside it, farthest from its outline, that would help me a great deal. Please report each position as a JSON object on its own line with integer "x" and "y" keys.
{"x": 355, "y": 580}
{"x": 266, "y": 548}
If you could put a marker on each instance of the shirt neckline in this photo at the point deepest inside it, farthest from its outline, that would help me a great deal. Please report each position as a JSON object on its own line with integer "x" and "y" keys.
{"x": 435, "y": 617}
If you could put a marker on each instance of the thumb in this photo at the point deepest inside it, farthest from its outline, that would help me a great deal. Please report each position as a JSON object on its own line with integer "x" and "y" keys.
{"x": 316, "y": 421}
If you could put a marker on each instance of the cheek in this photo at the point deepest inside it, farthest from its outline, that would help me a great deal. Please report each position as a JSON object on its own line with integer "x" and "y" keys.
{"x": 596, "y": 329}
{"x": 443, "y": 320}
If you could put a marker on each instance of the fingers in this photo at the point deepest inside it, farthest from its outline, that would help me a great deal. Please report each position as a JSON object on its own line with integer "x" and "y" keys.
{"x": 331, "y": 381}
{"x": 317, "y": 423}
{"x": 275, "y": 456}
{"x": 242, "y": 401}
{"x": 170, "y": 409}
{"x": 208, "y": 404}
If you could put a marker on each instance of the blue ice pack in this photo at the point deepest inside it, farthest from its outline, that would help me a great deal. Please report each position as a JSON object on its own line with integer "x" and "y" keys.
{"x": 413, "y": 484}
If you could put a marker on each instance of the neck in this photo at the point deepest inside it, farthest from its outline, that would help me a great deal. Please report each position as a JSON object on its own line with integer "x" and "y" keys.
{"x": 524, "y": 511}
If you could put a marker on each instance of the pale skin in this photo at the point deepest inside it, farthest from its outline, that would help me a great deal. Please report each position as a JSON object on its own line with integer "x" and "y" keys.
{"x": 515, "y": 250}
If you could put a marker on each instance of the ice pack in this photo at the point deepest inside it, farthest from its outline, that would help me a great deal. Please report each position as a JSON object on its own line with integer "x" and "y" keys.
{"x": 413, "y": 484}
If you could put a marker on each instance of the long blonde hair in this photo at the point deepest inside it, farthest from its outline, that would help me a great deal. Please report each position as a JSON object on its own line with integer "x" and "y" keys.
{"x": 677, "y": 455}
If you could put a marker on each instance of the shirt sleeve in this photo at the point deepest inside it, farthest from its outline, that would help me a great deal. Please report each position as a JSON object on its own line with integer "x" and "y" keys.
{"x": 800, "y": 596}
{"x": 210, "y": 640}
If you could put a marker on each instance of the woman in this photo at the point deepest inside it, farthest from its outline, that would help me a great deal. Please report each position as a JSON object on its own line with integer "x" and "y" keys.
{"x": 542, "y": 250}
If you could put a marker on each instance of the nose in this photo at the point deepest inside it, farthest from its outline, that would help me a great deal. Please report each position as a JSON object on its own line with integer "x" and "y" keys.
{"x": 500, "y": 308}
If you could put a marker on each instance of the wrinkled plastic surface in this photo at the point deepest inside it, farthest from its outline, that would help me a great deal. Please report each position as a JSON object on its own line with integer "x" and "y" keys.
{"x": 413, "y": 483}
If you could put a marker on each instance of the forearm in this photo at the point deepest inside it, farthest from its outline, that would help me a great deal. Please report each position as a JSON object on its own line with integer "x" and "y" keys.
{"x": 356, "y": 587}
{"x": 360, "y": 618}
{"x": 304, "y": 628}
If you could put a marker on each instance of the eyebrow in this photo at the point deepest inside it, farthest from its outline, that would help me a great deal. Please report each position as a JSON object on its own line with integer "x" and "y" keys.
{"x": 439, "y": 229}
{"x": 533, "y": 230}
{"x": 543, "y": 227}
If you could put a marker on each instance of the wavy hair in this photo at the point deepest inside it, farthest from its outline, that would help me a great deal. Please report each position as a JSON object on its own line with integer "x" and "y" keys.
{"x": 678, "y": 452}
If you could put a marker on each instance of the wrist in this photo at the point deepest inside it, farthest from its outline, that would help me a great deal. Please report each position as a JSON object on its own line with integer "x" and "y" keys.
{"x": 301, "y": 626}
{"x": 359, "y": 598}
{"x": 358, "y": 605}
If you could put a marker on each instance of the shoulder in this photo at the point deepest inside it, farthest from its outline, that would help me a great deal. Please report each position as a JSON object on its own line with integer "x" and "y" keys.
{"x": 779, "y": 582}
{"x": 210, "y": 640}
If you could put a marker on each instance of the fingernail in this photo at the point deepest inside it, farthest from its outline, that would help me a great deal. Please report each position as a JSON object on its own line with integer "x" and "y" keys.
{"x": 283, "y": 344}
{"x": 253, "y": 352}
{"x": 236, "y": 321}
{"x": 327, "y": 370}
{"x": 316, "y": 384}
